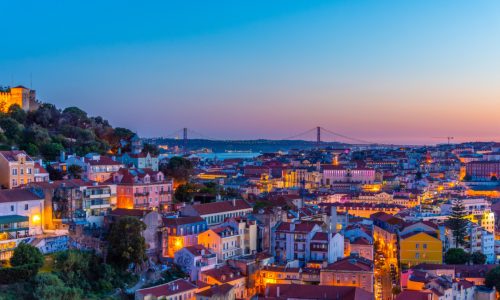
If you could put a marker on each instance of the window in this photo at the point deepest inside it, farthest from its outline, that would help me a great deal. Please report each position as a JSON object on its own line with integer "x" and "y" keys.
{"x": 416, "y": 246}
{"x": 424, "y": 246}
{"x": 417, "y": 255}
{"x": 22, "y": 171}
{"x": 12, "y": 208}
{"x": 26, "y": 206}
{"x": 14, "y": 171}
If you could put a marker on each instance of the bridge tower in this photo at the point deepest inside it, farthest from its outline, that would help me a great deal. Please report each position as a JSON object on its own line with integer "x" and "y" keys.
{"x": 318, "y": 136}
{"x": 185, "y": 138}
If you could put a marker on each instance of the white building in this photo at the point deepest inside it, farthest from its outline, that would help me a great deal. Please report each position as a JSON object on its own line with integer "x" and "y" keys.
{"x": 21, "y": 218}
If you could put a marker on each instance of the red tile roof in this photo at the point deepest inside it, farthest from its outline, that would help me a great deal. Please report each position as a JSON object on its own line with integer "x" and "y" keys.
{"x": 302, "y": 227}
{"x": 168, "y": 289}
{"x": 414, "y": 295}
{"x": 299, "y": 291}
{"x": 124, "y": 212}
{"x": 217, "y": 290}
{"x": 14, "y": 195}
{"x": 41, "y": 170}
{"x": 102, "y": 161}
{"x": 224, "y": 274}
{"x": 11, "y": 155}
{"x": 320, "y": 236}
{"x": 361, "y": 241}
{"x": 351, "y": 264}
{"x": 196, "y": 250}
{"x": 181, "y": 221}
{"x": 410, "y": 234}
{"x": 219, "y": 207}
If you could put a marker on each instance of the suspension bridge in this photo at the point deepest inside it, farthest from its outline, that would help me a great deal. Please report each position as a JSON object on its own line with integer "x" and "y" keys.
{"x": 316, "y": 134}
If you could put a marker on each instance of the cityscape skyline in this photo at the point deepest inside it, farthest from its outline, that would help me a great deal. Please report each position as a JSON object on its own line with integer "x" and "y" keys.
{"x": 388, "y": 72}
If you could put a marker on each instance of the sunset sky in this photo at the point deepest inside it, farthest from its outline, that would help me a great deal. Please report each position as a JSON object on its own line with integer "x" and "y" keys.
{"x": 385, "y": 71}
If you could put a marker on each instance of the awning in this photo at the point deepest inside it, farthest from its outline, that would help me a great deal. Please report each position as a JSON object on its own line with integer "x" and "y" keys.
{"x": 13, "y": 219}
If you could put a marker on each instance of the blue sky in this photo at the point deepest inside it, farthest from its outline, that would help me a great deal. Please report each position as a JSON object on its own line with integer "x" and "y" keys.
{"x": 389, "y": 71}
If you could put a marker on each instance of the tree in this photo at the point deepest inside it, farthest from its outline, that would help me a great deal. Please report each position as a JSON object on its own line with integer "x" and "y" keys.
{"x": 179, "y": 168}
{"x": 12, "y": 129}
{"x": 456, "y": 256}
{"x": 25, "y": 254}
{"x": 151, "y": 149}
{"x": 49, "y": 286}
{"x": 51, "y": 150}
{"x": 185, "y": 192}
{"x": 17, "y": 113}
{"x": 457, "y": 222}
{"x": 493, "y": 278}
{"x": 75, "y": 171}
{"x": 126, "y": 244}
{"x": 478, "y": 258}
{"x": 55, "y": 174}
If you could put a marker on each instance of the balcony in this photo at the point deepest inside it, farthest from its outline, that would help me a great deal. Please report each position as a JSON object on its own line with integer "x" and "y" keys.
{"x": 143, "y": 194}
{"x": 141, "y": 205}
{"x": 14, "y": 227}
{"x": 13, "y": 234}
{"x": 96, "y": 203}
{"x": 97, "y": 193}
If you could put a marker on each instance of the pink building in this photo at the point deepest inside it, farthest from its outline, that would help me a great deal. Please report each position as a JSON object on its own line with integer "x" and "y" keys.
{"x": 143, "y": 189}
{"x": 333, "y": 174}
{"x": 99, "y": 168}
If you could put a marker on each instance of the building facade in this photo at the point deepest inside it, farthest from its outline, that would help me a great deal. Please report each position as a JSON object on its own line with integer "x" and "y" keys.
{"x": 16, "y": 169}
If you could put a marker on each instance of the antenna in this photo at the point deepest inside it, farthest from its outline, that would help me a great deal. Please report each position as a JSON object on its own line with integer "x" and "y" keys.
{"x": 31, "y": 80}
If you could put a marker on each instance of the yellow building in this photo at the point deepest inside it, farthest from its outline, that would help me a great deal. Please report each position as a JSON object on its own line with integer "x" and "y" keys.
{"x": 19, "y": 95}
{"x": 16, "y": 169}
{"x": 420, "y": 247}
{"x": 212, "y": 175}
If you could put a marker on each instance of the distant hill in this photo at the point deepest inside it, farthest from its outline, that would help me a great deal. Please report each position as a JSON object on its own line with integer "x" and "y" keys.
{"x": 48, "y": 130}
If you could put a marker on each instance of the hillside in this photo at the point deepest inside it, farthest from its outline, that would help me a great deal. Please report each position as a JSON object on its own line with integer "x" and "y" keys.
{"x": 48, "y": 130}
